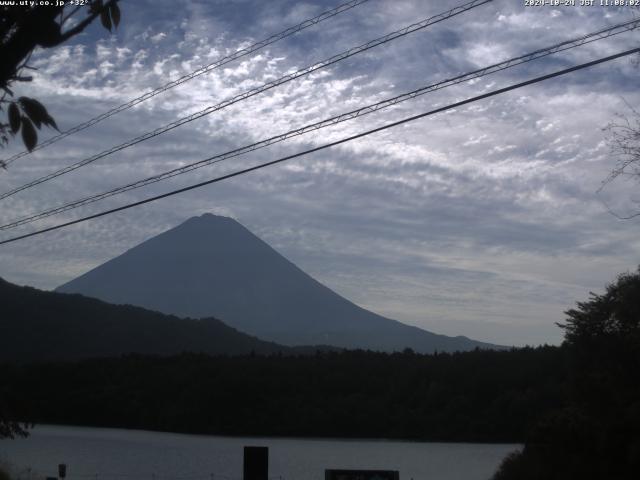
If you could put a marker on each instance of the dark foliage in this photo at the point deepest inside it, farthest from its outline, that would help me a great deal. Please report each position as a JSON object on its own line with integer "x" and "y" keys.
{"x": 597, "y": 434}
{"x": 473, "y": 396}
{"x": 10, "y": 428}
{"x": 4, "y": 475}
{"x": 23, "y": 28}
{"x": 613, "y": 317}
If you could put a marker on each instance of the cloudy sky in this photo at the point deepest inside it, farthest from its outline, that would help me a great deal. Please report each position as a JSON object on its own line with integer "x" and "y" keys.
{"x": 483, "y": 221}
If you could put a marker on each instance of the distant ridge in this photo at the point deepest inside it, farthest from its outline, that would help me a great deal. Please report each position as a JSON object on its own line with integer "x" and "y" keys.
{"x": 213, "y": 266}
{"x": 47, "y": 326}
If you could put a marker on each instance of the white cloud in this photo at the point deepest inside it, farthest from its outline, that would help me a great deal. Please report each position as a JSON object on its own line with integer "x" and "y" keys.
{"x": 158, "y": 37}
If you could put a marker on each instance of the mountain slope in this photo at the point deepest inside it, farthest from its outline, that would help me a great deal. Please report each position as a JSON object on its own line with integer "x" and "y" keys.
{"x": 213, "y": 266}
{"x": 38, "y": 326}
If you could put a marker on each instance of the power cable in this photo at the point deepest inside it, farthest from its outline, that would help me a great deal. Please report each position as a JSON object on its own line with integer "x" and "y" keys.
{"x": 200, "y": 71}
{"x": 255, "y": 91}
{"x": 327, "y": 145}
{"x": 566, "y": 45}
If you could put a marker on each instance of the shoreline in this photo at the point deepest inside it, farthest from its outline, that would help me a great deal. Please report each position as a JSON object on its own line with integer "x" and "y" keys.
{"x": 273, "y": 437}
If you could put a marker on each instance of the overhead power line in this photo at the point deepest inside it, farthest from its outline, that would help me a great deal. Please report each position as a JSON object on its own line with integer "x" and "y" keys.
{"x": 243, "y": 52}
{"x": 540, "y": 53}
{"x": 255, "y": 91}
{"x": 328, "y": 145}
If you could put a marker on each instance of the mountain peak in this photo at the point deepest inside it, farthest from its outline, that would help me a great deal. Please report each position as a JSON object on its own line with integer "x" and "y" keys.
{"x": 212, "y": 217}
{"x": 207, "y": 219}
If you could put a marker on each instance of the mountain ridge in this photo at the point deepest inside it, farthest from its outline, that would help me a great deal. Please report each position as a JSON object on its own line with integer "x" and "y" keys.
{"x": 214, "y": 266}
{"x": 40, "y": 326}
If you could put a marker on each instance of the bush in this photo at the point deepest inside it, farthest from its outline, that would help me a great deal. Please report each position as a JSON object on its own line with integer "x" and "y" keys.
{"x": 597, "y": 435}
{"x": 4, "y": 473}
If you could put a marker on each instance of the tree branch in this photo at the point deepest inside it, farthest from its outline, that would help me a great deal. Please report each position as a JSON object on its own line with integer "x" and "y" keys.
{"x": 85, "y": 23}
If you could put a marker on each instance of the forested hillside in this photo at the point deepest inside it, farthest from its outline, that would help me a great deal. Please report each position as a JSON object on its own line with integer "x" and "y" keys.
{"x": 472, "y": 396}
{"x": 44, "y": 326}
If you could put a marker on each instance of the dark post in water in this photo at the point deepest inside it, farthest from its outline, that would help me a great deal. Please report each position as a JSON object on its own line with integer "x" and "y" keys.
{"x": 256, "y": 463}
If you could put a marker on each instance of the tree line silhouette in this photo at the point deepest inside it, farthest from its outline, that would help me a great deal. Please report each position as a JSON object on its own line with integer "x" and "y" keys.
{"x": 488, "y": 396}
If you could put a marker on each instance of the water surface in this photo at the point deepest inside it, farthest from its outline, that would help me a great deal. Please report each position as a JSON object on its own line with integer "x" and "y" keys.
{"x": 112, "y": 454}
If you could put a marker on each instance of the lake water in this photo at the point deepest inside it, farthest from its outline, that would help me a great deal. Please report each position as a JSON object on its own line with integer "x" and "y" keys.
{"x": 111, "y": 454}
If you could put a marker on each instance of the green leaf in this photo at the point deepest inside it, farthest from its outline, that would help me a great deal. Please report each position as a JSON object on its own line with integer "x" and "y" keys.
{"x": 115, "y": 14}
{"x": 50, "y": 122}
{"x": 34, "y": 109}
{"x": 105, "y": 19}
{"x": 29, "y": 135}
{"x": 37, "y": 112}
{"x": 14, "y": 118}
